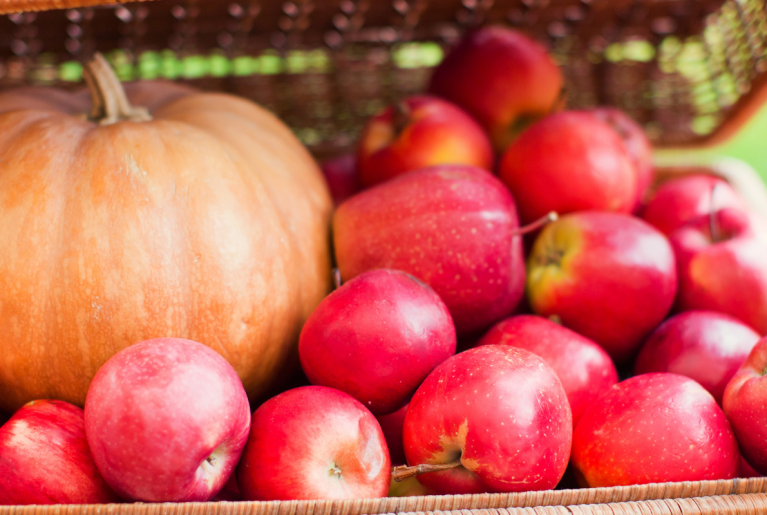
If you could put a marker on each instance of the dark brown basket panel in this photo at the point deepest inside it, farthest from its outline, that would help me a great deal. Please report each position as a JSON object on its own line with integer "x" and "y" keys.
{"x": 680, "y": 67}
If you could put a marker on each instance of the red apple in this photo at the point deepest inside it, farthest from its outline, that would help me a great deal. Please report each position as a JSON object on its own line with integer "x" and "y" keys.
{"x": 453, "y": 227}
{"x": 745, "y": 470}
{"x": 418, "y": 132}
{"x": 608, "y": 276}
{"x": 376, "y": 338}
{"x": 637, "y": 145}
{"x": 166, "y": 420}
{"x": 654, "y": 428}
{"x": 498, "y": 415}
{"x": 342, "y": 177}
{"x": 566, "y": 162}
{"x": 314, "y": 442}
{"x": 702, "y": 345}
{"x": 391, "y": 425}
{"x": 502, "y": 78}
{"x": 585, "y": 370}
{"x": 722, "y": 267}
{"x": 745, "y": 403}
{"x": 230, "y": 492}
{"x": 681, "y": 200}
{"x": 44, "y": 458}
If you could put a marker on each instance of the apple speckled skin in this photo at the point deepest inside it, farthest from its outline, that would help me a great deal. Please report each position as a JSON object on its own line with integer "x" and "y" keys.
{"x": 44, "y": 458}
{"x": 608, "y": 276}
{"x": 745, "y": 403}
{"x": 166, "y": 420}
{"x": 583, "y": 367}
{"x": 679, "y": 201}
{"x": 314, "y": 442}
{"x": 567, "y": 162}
{"x": 654, "y": 428}
{"x": 706, "y": 346}
{"x": 502, "y": 411}
{"x": 726, "y": 272}
{"x": 376, "y": 338}
{"x": 452, "y": 227}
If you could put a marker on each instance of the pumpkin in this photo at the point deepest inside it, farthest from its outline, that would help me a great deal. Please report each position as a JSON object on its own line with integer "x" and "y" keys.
{"x": 202, "y": 217}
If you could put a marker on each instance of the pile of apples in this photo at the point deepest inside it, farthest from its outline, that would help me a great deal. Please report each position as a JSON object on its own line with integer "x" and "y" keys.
{"x": 607, "y": 277}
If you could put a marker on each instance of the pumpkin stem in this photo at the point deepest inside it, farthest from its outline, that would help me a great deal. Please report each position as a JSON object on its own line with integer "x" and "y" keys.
{"x": 110, "y": 103}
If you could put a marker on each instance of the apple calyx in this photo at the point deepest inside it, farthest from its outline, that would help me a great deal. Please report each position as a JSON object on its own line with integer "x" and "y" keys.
{"x": 404, "y": 472}
{"x": 335, "y": 470}
{"x": 546, "y": 219}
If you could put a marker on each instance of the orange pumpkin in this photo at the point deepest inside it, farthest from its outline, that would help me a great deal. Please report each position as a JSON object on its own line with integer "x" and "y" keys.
{"x": 202, "y": 217}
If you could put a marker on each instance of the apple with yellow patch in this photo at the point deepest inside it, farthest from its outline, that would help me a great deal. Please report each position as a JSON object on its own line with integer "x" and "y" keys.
{"x": 417, "y": 132}
{"x": 491, "y": 419}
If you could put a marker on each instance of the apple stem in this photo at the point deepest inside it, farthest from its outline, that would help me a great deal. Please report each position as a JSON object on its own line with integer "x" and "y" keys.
{"x": 403, "y": 471}
{"x": 534, "y": 226}
{"x": 713, "y": 227}
{"x": 337, "y": 278}
{"x": 400, "y": 117}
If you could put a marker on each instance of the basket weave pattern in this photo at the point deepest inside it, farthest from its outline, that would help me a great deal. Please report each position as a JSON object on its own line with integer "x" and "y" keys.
{"x": 686, "y": 497}
{"x": 680, "y": 67}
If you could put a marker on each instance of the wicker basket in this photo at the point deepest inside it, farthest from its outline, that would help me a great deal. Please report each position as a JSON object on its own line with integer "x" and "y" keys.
{"x": 692, "y": 71}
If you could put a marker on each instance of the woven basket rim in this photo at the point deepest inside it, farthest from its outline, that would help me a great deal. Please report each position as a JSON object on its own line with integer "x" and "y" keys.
{"x": 584, "y": 496}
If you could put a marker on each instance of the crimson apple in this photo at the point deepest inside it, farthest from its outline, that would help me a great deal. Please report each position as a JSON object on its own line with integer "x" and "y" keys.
{"x": 745, "y": 403}
{"x": 502, "y": 78}
{"x": 166, "y": 420}
{"x": 637, "y": 145}
{"x": 376, "y": 338}
{"x": 679, "y": 201}
{"x": 566, "y": 162}
{"x": 654, "y": 428}
{"x": 583, "y": 367}
{"x": 391, "y": 425}
{"x": 702, "y": 345}
{"x": 418, "y": 132}
{"x": 722, "y": 266}
{"x": 746, "y": 470}
{"x": 608, "y": 276}
{"x": 491, "y": 419}
{"x": 342, "y": 177}
{"x": 453, "y": 227}
{"x": 44, "y": 458}
{"x": 314, "y": 442}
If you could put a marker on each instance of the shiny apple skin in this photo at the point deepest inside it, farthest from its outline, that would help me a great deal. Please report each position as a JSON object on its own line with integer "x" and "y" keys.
{"x": 679, "y": 201}
{"x": 502, "y": 411}
{"x": 569, "y": 161}
{"x": 44, "y": 458}
{"x": 342, "y": 176}
{"x": 376, "y": 338}
{"x": 654, "y": 428}
{"x": 583, "y": 367}
{"x": 637, "y": 144}
{"x": 314, "y": 442}
{"x": 391, "y": 425}
{"x": 745, "y": 403}
{"x": 728, "y": 275}
{"x": 609, "y": 277}
{"x": 434, "y": 132}
{"x": 706, "y": 346}
{"x": 502, "y": 78}
{"x": 166, "y": 420}
{"x": 452, "y": 227}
